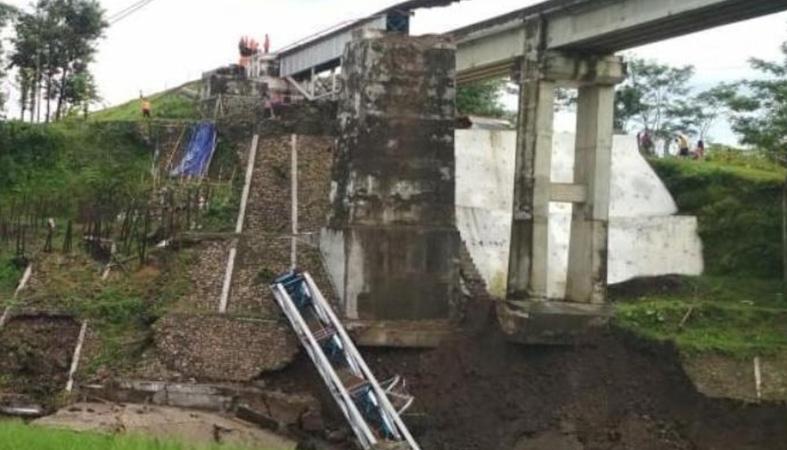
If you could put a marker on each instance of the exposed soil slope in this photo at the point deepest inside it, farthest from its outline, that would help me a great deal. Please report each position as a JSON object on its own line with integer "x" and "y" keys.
{"x": 483, "y": 393}
{"x": 35, "y": 355}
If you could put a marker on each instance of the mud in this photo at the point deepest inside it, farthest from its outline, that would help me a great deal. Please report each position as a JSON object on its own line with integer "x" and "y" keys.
{"x": 639, "y": 287}
{"x": 35, "y": 356}
{"x": 482, "y": 393}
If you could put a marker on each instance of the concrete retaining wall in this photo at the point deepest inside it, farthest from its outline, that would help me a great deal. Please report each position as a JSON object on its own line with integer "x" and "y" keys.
{"x": 646, "y": 237}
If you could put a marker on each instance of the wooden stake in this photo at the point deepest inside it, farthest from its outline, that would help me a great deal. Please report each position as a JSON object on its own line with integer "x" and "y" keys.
{"x": 75, "y": 359}
{"x": 685, "y": 318}
{"x": 24, "y": 280}
{"x": 757, "y": 378}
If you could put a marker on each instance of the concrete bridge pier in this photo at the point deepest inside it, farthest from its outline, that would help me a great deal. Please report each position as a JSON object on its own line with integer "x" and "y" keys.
{"x": 529, "y": 315}
{"x": 391, "y": 244}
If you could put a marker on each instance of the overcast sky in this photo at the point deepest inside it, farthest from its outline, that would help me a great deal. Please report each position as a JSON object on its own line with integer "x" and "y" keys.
{"x": 173, "y": 41}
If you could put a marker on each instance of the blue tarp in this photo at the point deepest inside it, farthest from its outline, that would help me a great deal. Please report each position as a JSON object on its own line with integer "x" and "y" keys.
{"x": 199, "y": 152}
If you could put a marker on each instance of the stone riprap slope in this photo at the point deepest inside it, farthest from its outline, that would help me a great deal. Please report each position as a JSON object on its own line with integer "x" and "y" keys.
{"x": 264, "y": 250}
{"x": 223, "y": 348}
{"x": 251, "y": 338}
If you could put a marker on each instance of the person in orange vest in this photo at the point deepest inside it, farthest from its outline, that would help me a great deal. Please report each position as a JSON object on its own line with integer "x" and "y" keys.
{"x": 145, "y": 103}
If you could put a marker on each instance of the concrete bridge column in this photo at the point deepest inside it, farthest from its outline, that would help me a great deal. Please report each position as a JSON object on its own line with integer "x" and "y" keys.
{"x": 587, "y": 260}
{"x": 531, "y": 314}
{"x": 528, "y": 267}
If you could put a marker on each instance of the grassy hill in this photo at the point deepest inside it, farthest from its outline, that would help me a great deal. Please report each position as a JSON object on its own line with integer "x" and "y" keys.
{"x": 738, "y": 308}
{"x": 68, "y": 163}
{"x": 83, "y": 171}
{"x": 737, "y": 200}
{"x": 62, "y": 170}
{"x": 179, "y": 103}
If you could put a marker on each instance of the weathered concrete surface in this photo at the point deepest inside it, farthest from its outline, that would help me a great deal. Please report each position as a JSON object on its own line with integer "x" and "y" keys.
{"x": 214, "y": 347}
{"x": 391, "y": 243}
{"x": 272, "y": 409}
{"x": 646, "y": 238}
{"x": 193, "y": 427}
{"x": 489, "y": 48}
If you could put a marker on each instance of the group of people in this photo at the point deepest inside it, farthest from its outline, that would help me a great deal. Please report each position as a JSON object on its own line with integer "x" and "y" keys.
{"x": 248, "y": 47}
{"x": 684, "y": 145}
{"x": 648, "y": 146}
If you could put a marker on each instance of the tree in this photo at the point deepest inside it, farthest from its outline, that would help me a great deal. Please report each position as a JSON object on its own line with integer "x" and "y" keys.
{"x": 650, "y": 97}
{"x": 54, "y": 44}
{"x": 481, "y": 99}
{"x": 760, "y": 110}
{"x": 27, "y": 60}
{"x": 6, "y": 13}
{"x": 628, "y": 103}
{"x": 80, "y": 91}
{"x": 761, "y": 120}
{"x": 700, "y": 112}
{"x": 83, "y": 25}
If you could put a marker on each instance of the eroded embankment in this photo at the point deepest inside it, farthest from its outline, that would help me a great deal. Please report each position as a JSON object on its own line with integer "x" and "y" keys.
{"x": 35, "y": 357}
{"x": 481, "y": 392}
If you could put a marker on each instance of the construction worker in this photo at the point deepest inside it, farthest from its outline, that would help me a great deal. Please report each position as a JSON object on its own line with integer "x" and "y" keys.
{"x": 145, "y": 103}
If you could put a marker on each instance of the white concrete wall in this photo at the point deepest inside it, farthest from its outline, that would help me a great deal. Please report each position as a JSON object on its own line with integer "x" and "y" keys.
{"x": 646, "y": 238}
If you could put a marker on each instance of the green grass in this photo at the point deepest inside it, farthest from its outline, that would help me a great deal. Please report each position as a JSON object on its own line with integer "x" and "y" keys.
{"x": 738, "y": 308}
{"x": 731, "y": 316}
{"x": 172, "y": 104}
{"x": 9, "y": 276}
{"x": 737, "y": 201}
{"x": 16, "y": 436}
{"x": 750, "y": 161}
{"x": 65, "y": 167}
